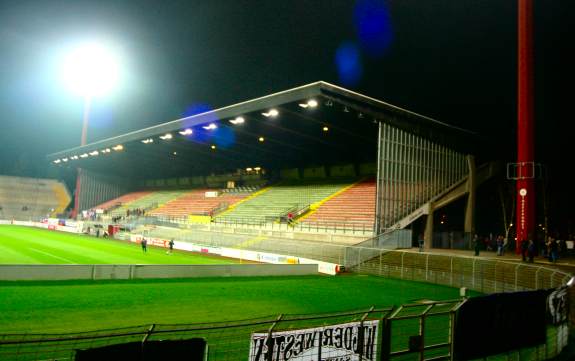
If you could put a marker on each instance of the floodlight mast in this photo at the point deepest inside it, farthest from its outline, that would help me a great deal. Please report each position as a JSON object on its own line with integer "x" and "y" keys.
{"x": 90, "y": 70}
{"x": 525, "y": 186}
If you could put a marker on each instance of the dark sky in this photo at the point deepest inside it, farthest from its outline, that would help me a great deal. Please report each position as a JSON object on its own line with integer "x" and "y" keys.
{"x": 454, "y": 60}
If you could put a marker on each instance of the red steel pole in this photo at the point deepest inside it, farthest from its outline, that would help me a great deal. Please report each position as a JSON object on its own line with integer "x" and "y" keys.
{"x": 525, "y": 220}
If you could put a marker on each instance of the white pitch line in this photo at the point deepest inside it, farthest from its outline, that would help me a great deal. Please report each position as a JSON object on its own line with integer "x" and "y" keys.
{"x": 52, "y": 255}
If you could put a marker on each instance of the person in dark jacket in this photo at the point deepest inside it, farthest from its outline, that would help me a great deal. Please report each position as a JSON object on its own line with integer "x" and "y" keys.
{"x": 144, "y": 245}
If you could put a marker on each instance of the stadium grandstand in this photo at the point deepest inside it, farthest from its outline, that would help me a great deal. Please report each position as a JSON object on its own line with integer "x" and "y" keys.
{"x": 316, "y": 157}
{"x": 32, "y": 198}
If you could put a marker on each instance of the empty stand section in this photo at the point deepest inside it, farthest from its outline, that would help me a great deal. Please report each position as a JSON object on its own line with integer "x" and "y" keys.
{"x": 124, "y": 199}
{"x": 206, "y": 202}
{"x": 286, "y": 198}
{"x": 352, "y": 207}
{"x": 31, "y": 198}
{"x": 150, "y": 201}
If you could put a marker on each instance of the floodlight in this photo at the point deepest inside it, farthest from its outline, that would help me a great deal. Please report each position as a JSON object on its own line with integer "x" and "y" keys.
{"x": 74, "y": 157}
{"x": 257, "y": 169}
{"x": 94, "y": 153}
{"x": 118, "y": 147}
{"x": 57, "y": 161}
{"x": 211, "y": 126}
{"x": 64, "y": 159}
{"x": 248, "y": 169}
{"x": 312, "y": 103}
{"x": 84, "y": 155}
{"x": 213, "y": 146}
{"x": 325, "y": 129}
{"x": 237, "y": 120}
{"x": 261, "y": 139}
{"x": 166, "y": 136}
{"x": 271, "y": 113}
{"x": 148, "y": 140}
{"x": 187, "y": 131}
{"x": 175, "y": 153}
{"x": 91, "y": 70}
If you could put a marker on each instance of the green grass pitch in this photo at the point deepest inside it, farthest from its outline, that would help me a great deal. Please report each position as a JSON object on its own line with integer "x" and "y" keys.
{"x": 23, "y": 245}
{"x": 89, "y": 305}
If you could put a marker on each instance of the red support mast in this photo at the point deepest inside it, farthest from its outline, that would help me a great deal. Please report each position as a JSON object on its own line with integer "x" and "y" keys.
{"x": 525, "y": 124}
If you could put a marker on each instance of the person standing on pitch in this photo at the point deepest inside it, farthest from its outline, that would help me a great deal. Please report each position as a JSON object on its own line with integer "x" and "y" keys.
{"x": 144, "y": 245}
{"x": 171, "y": 245}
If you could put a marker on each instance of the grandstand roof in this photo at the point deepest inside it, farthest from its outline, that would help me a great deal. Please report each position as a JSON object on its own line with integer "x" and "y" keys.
{"x": 342, "y": 128}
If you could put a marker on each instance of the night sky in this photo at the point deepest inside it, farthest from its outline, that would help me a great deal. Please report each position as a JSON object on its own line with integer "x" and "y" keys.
{"x": 453, "y": 60}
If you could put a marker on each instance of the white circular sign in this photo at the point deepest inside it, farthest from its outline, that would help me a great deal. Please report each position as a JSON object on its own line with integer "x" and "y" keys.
{"x": 523, "y": 192}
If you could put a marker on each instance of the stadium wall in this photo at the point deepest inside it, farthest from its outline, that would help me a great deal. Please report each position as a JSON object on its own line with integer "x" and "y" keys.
{"x": 132, "y": 272}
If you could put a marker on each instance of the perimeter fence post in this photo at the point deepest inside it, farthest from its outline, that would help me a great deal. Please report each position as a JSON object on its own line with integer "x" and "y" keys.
{"x": 270, "y": 341}
{"x": 361, "y": 333}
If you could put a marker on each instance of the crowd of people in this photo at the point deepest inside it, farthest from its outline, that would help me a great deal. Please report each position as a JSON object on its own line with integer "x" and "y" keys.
{"x": 551, "y": 248}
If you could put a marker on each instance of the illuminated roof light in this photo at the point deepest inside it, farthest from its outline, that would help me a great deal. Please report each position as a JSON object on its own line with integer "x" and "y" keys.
{"x": 211, "y": 126}
{"x": 261, "y": 139}
{"x": 186, "y": 131}
{"x": 175, "y": 153}
{"x": 74, "y": 157}
{"x": 57, "y": 161}
{"x": 213, "y": 146}
{"x": 312, "y": 103}
{"x": 271, "y": 113}
{"x": 325, "y": 129}
{"x": 166, "y": 136}
{"x": 147, "y": 141}
{"x": 257, "y": 169}
{"x": 64, "y": 159}
{"x": 249, "y": 169}
{"x": 118, "y": 147}
{"x": 237, "y": 120}
{"x": 94, "y": 153}
{"x": 84, "y": 155}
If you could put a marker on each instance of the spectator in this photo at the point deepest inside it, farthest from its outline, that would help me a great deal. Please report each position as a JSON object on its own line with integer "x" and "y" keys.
{"x": 531, "y": 250}
{"x": 476, "y": 244}
{"x": 499, "y": 243}
{"x": 524, "y": 248}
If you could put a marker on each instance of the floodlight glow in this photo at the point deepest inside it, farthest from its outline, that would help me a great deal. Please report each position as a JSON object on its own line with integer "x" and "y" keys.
{"x": 149, "y": 140}
{"x": 84, "y": 155}
{"x": 213, "y": 146}
{"x": 271, "y": 113}
{"x": 64, "y": 159}
{"x": 118, "y": 147}
{"x": 91, "y": 70}
{"x": 107, "y": 150}
{"x": 325, "y": 129}
{"x": 261, "y": 139}
{"x": 166, "y": 136}
{"x": 211, "y": 126}
{"x": 248, "y": 169}
{"x": 57, "y": 161}
{"x": 257, "y": 169}
{"x": 74, "y": 157}
{"x": 94, "y": 153}
{"x": 175, "y": 153}
{"x": 238, "y": 120}
{"x": 187, "y": 131}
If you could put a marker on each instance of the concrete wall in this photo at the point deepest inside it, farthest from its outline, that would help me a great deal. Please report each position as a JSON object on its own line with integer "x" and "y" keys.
{"x": 111, "y": 272}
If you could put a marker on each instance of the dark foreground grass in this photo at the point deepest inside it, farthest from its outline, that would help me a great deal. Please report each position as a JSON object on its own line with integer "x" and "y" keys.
{"x": 89, "y": 305}
{"x": 25, "y": 245}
